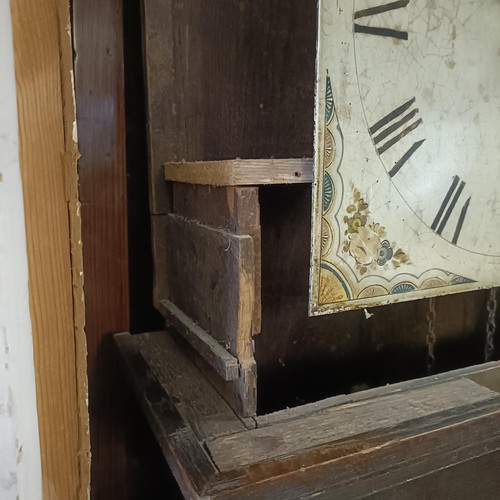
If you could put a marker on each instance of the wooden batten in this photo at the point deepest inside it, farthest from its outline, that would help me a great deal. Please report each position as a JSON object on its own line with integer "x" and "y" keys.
{"x": 242, "y": 172}
{"x": 224, "y": 363}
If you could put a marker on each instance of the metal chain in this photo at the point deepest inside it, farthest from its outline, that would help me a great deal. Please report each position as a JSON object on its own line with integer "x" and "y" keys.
{"x": 491, "y": 306}
{"x": 431, "y": 337}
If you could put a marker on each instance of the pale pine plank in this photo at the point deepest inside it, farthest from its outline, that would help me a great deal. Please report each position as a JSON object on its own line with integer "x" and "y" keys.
{"x": 43, "y": 59}
{"x": 240, "y": 172}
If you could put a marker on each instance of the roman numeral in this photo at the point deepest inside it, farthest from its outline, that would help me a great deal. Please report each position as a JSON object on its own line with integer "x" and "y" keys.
{"x": 446, "y": 209}
{"x": 372, "y": 11}
{"x": 392, "y": 128}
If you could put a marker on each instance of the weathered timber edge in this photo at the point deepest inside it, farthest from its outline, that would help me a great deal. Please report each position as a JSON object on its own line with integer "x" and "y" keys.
{"x": 222, "y": 361}
{"x": 240, "y": 172}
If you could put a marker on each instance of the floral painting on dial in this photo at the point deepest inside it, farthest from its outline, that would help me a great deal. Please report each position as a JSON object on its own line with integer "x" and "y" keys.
{"x": 366, "y": 241}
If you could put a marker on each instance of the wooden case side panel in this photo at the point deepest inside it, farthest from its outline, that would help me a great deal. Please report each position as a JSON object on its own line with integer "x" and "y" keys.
{"x": 166, "y": 140}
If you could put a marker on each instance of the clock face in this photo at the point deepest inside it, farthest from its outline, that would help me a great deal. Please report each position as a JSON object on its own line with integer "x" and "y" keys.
{"x": 407, "y": 192}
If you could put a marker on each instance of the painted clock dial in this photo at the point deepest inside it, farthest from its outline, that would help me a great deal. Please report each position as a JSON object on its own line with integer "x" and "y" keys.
{"x": 407, "y": 152}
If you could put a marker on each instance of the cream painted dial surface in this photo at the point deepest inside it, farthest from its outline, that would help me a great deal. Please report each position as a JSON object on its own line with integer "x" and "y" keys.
{"x": 407, "y": 201}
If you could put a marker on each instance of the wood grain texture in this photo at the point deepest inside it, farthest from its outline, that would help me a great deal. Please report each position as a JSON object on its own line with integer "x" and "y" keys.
{"x": 210, "y": 275}
{"x": 225, "y": 364}
{"x": 428, "y": 430}
{"x": 48, "y": 155}
{"x": 99, "y": 82}
{"x": 377, "y": 462}
{"x": 242, "y": 172}
{"x": 449, "y": 482}
{"x": 222, "y": 266}
{"x": 235, "y": 209}
{"x": 241, "y": 394}
{"x": 185, "y": 454}
{"x": 487, "y": 375}
{"x": 228, "y": 80}
{"x": 159, "y": 245}
{"x": 196, "y": 399}
{"x": 337, "y": 424}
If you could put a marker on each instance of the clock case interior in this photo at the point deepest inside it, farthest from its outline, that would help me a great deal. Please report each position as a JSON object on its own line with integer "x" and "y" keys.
{"x": 248, "y": 92}
{"x": 238, "y": 83}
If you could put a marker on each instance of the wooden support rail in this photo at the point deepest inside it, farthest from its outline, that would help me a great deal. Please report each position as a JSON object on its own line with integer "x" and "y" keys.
{"x": 240, "y": 172}
{"x": 223, "y": 362}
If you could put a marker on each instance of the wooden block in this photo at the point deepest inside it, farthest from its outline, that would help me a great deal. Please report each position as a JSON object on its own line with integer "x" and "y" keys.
{"x": 211, "y": 279}
{"x": 242, "y": 172}
{"x": 235, "y": 209}
{"x": 225, "y": 364}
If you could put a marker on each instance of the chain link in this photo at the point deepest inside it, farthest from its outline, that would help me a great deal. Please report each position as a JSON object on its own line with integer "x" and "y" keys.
{"x": 489, "y": 347}
{"x": 431, "y": 337}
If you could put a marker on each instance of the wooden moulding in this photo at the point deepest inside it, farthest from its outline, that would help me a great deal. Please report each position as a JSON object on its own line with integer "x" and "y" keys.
{"x": 43, "y": 57}
{"x": 396, "y": 441}
{"x": 242, "y": 172}
{"x": 223, "y": 362}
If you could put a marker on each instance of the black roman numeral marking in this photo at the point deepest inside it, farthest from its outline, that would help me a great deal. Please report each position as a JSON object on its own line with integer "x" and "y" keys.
{"x": 372, "y": 11}
{"x": 447, "y": 207}
{"x": 392, "y": 128}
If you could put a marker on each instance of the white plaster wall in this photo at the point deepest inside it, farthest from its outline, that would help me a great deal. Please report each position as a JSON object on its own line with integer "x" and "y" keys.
{"x": 20, "y": 470}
